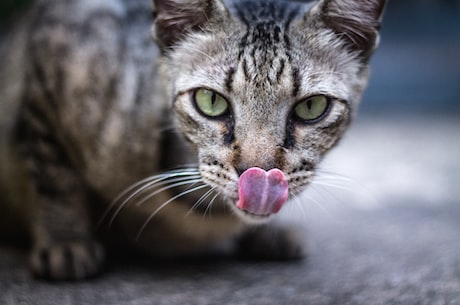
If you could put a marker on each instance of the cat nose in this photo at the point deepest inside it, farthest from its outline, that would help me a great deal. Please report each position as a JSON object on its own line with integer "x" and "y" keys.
{"x": 257, "y": 153}
{"x": 241, "y": 169}
{"x": 243, "y": 165}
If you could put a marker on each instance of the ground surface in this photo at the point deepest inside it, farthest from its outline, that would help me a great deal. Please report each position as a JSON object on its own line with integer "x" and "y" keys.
{"x": 389, "y": 234}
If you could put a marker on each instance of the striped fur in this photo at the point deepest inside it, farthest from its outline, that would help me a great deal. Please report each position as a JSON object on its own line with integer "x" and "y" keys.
{"x": 96, "y": 106}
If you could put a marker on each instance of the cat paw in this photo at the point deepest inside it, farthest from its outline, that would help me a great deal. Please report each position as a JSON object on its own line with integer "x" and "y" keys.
{"x": 68, "y": 261}
{"x": 271, "y": 243}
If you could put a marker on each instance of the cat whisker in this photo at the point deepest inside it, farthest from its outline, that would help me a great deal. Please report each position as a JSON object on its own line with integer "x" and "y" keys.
{"x": 163, "y": 205}
{"x": 159, "y": 182}
{"x": 157, "y": 178}
{"x": 168, "y": 187}
{"x": 316, "y": 202}
{"x": 338, "y": 181}
{"x": 344, "y": 183}
{"x": 321, "y": 173}
{"x": 208, "y": 208}
{"x": 334, "y": 185}
{"x": 180, "y": 182}
{"x": 126, "y": 192}
{"x": 200, "y": 201}
{"x": 142, "y": 185}
{"x": 321, "y": 188}
{"x": 296, "y": 200}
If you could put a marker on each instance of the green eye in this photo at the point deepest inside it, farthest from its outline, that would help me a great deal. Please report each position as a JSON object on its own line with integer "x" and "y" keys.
{"x": 312, "y": 108}
{"x": 210, "y": 103}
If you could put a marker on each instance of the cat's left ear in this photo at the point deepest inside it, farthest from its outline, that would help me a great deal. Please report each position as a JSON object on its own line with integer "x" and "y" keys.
{"x": 174, "y": 19}
{"x": 356, "y": 22}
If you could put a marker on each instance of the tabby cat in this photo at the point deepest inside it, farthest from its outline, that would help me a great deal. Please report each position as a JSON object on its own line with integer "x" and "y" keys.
{"x": 227, "y": 111}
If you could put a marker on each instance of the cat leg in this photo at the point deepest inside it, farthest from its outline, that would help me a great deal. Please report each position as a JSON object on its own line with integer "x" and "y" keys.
{"x": 63, "y": 245}
{"x": 61, "y": 225}
{"x": 271, "y": 243}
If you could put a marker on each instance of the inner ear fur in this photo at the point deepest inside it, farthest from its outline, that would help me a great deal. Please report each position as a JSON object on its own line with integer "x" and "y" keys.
{"x": 357, "y": 22}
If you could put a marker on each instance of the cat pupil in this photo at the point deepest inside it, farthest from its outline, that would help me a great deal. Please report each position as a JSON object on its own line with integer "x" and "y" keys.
{"x": 309, "y": 104}
{"x": 213, "y": 98}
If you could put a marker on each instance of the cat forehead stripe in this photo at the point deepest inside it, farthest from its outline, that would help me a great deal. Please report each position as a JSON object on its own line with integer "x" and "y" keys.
{"x": 264, "y": 49}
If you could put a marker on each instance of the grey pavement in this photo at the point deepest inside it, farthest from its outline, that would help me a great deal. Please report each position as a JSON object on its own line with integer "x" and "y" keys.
{"x": 382, "y": 226}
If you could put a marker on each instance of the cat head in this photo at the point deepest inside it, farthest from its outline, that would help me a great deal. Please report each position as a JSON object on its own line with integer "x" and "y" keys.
{"x": 264, "y": 89}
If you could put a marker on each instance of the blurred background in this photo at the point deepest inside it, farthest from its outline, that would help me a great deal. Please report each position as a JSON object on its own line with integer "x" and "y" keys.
{"x": 416, "y": 70}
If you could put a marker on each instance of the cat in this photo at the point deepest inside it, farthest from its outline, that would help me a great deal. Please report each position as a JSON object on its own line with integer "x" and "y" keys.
{"x": 227, "y": 111}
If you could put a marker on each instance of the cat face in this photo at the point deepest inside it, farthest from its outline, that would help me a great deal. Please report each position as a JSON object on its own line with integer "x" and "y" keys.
{"x": 262, "y": 85}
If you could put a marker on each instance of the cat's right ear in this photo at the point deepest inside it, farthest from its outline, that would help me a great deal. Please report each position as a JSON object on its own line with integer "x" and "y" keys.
{"x": 174, "y": 19}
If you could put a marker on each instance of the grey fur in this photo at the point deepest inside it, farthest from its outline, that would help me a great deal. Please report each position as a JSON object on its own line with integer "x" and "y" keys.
{"x": 89, "y": 97}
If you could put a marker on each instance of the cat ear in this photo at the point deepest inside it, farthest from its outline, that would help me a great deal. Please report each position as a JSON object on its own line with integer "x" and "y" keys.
{"x": 173, "y": 19}
{"x": 357, "y": 22}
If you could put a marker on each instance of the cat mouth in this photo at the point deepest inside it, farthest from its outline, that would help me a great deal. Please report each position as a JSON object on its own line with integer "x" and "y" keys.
{"x": 262, "y": 193}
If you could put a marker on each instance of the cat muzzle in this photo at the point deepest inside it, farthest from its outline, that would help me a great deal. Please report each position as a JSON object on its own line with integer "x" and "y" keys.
{"x": 261, "y": 192}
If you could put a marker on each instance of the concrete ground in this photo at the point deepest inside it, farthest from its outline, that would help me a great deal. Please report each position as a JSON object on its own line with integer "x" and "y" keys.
{"x": 384, "y": 229}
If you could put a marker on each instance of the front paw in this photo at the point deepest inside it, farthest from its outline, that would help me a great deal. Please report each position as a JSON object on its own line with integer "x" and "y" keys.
{"x": 271, "y": 243}
{"x": 68, "y": 261}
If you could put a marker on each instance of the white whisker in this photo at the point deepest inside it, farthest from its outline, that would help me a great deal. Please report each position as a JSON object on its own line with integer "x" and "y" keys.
{"x": 208, "y": 208}
{"x": 180, "y": 181}
{"x": 164, "y": 205}
{"x": 121, "y": 195}
{"x": 298, "y": 204}
{"x": 317, "y": 203}
{"x": 159, "y": 182}
{"x": 200, "y": 201}
{"x": 323, "y": 174}
{"x": 143, "y": 185}
{"x": 343, "y": 183}
{"x": 336, "y": 186}
{"x": 168, "y": 187}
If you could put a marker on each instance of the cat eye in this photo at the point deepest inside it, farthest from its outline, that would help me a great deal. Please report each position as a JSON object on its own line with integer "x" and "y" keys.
{"x": 210, "y": 103}
{"x": 312, "y": 109}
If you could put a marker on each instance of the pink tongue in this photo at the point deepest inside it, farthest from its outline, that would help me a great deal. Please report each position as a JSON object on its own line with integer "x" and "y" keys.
{"x": 262, "y": 193}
